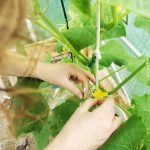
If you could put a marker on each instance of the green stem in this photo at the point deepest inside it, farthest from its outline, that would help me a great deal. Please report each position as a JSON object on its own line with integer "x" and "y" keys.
{"x": 114, "y": 15}
{"x": 102, "y": 14}
{"x": 92, "y": 70}
{"x": 112, "y": 74}
{"x": 128, "y": 78}
{"x": 41, "y": 24}
{"x": 124, "y": 14}
{"x": 111, "y": 24}
{"x": 59, "y": 36}
{"x": 125, "y": 110}
{"x": 83, "y": 56}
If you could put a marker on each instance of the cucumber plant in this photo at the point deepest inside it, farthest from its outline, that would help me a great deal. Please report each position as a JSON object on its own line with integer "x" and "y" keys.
{"x": 45, "y": 123}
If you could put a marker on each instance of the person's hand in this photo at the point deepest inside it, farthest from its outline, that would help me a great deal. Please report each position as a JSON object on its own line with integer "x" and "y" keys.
{"x": 65, "y": 75}
{"x": 87, "y": 130}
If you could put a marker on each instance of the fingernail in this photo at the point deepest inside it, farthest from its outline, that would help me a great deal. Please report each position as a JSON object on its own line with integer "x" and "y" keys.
{"x": 84, "y": 90}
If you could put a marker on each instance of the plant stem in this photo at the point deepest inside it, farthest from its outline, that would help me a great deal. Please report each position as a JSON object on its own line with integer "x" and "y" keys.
{"x": 41, "y": 24}
{"x": 59, "y": 36}
{"x": 83, "y": 56}
{"x": 92, "y": 70}
{"x": 114, "y": 15}
{"x": 98, "y": 42}
{"x": 111, "y": 24}
{"x": 128, "y": 78}
{"x": 112, "y": 73}
{"x": 102, "y": 14}
{"x": 124, "y": 14}
{"x": 125, "y": 110}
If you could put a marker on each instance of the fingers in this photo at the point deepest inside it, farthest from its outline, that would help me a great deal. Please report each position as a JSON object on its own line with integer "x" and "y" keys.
{"x": 106, "y": 109}
{"x": 116, "y": 123}
{"x": 88, "y": 104}
{"x": 81, "y": 77}
{"x": 71, "y": 87}
{"x": 89, "y": 76}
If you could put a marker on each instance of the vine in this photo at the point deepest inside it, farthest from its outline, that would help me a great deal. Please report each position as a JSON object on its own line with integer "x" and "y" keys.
{"x": 110, "y": 26}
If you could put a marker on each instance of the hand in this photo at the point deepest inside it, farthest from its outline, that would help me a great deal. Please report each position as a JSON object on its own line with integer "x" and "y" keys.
{"x": 87, "y": 130}
{"x": 65, "y": 75}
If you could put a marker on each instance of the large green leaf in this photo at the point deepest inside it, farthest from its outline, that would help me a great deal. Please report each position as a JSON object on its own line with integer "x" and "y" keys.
{"x": 138, "y": 6}
{"x": 63, "y": 113}
{"x": 86, "y": 36}
{"x": 147, "y": 142}
{"x": 113, "y": 51}
{"x": 27, "y": 125}
{"x": 28, "y": 83}
{"x": 31, "y": 110}
{"x": 142, "y": 108}
{"x": 115, "y": 32}
{"x": 43, "y": 137}
{"x": 128, "y": 137}
{"x": 59, "y": 116}
{"x": 83, "y": 5}
{"x": 143, "y": 23}
{"x": 80, "y": 37}
{"x": 142, "y": 76}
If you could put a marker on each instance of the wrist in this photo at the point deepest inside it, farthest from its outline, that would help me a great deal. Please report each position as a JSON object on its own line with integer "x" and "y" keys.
{"x": 36, "y": 73}
{"x": 41, "y": 70}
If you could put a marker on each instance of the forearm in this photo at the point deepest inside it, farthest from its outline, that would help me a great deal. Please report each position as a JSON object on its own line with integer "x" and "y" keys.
{"x": 60, "y": 143}
{"x": 12, "y": 64}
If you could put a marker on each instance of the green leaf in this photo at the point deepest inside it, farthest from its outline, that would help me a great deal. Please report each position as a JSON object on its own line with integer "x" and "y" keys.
{"x": 81, "y": 37}
{"x": 128, "y": 137}
{"x": 38, "y": 108}
{"x": 142, "y": 75}
{"x": 143, "y": 23}
{"x": 43, "y": 137}
{"x": 26, "y": 126}
{"x": 138, "y": 6}
{"x": 115, "y": 32}
{"x": 28, "y": 82}
{"x": 31, "y": 110}
{"x": 64, "y": 111}
{"x": 86, "y": 36}
{"x": 59, "y": 117}
{"x": 83, "y": 5}
{"x": 113, "y": 51}
{"x": 142, "y": 108}
{"x": 147, "y": 141}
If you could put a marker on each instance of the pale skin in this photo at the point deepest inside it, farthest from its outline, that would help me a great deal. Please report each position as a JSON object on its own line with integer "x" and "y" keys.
{"x": 12, "y": 64}
{"x": 85, "y": 130}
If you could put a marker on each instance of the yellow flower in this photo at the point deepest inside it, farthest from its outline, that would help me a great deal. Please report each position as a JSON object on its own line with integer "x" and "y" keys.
{"x": 99, "y": 94}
